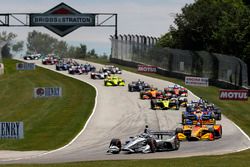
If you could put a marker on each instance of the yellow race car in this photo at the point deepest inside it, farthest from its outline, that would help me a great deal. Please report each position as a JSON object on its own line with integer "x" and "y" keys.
{"x": 199, "y": 132}
{"x": 114, "y": 81}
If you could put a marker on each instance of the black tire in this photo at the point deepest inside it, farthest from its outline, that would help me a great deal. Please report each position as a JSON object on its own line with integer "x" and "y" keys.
{"x": 218, "y": 116}
{"x": 117, "y": 143}
{"x": 141, "y": 95}
{"x": 152, "y": 143}
{"x": 153, "y": 104}
{"x": 176, "y": 144}
{"x": 178, "y": 130}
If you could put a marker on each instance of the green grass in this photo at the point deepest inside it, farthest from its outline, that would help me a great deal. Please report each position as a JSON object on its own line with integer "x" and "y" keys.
{"x": 237, "y": 159}
{"x": 49, "y": 123}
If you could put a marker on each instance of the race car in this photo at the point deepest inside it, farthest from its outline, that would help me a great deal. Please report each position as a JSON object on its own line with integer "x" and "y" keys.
{"x": 176, "y": 90}
{"x": 112, "y": 69}
{"x": 192, "y": 116}
{"x": 199, "y": 132}
{"x": 99, "y": 75}
{"x": 62, "y": 66}
{"x": 204, "y": 106}
{"x": 152, "y": 93}
{"x": 114, "y": 81}
{"x": 88, "y": 67}
{"x": 137, "y": 86}
{"x": 32, "y": 57}
{"x": 146, "y": 143}
{"x": 50, "y": 60}
{"x": 164, "y": 104}
{"x": 77, "y": 70}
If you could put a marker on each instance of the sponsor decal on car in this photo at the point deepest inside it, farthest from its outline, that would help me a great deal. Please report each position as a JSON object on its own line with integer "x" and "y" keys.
{"x": 146, "y": 68}
{"x": 48, "y": 92}
{"x": 233, "y": 94}
{"x": 11, "y": 130}
{"x": 25, "y": 66}
{"x": 196, "y": 81}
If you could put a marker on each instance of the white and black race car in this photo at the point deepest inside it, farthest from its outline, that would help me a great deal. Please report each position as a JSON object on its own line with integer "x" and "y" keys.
{"x": 146, "y": 143}
{"x": 99, "y": 75}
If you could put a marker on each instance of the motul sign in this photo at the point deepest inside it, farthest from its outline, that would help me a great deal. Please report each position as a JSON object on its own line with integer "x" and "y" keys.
{"x": 234, "y": 94}
{"x": 145, "y": 68}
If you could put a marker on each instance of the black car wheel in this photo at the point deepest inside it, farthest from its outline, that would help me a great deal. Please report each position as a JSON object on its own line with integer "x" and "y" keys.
{"x": 117, "y": 143}
{"x": 152, "y": 143}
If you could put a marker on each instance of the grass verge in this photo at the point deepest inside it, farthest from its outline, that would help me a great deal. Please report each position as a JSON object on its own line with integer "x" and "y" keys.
{"x": 49, "y": 123}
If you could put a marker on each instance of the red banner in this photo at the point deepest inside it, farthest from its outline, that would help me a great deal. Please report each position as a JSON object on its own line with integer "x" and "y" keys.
{"x": 234, "y": 94}
{"x": 145, "y": 68}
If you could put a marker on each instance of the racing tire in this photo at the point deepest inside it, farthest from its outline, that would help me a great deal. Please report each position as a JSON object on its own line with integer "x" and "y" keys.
{"x": 218, "y": 116}
{"x": 176, "y": 144}
{"x": 116, "y": 142}
{"x": 178, "y": 130}
{"x": 153, "y": 104}
{"x": 152, "y": 143}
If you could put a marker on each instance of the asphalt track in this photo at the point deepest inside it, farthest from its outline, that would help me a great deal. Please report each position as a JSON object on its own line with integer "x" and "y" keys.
{"x": 120, "y": 114}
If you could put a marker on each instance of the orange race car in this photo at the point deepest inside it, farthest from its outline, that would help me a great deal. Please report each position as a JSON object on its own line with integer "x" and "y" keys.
{"x": 199, "y": 132}
{"x": 152, "y": 93}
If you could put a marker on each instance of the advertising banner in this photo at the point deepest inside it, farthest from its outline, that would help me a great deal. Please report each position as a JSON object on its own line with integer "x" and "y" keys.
{"x": 11, "y": 130}
{"x": 47, "y": 92}
{"x": 145, "y": 68}
{"x": 62, "y": 19}
{"x": 25, "y": 66}
{"x": 233, "y": 94}
{"x": 196, "y": 81}
{"x": 1, "y": 69}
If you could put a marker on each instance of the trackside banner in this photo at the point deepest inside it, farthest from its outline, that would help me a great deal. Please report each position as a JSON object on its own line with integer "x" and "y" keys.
{"x": 47, "y": 92}
{"x": 11, "y": 130}
{"x": 233, "y": 94}
{"x": 145, "y": 68}
{"x": 196, "y": 81}
{"x": 25, "y": 66}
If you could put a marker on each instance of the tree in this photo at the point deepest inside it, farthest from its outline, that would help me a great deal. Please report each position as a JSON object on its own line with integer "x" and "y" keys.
{"x": 7, "y": 37}
{"x": 18, "y": 46}
{"x": 92, "y": 53}
{"x": 220, "y": 26}
{"x": 43, "y": 43}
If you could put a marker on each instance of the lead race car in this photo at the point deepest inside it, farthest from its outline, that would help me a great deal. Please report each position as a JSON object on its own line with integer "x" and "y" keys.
{"x": 146, "y": 142}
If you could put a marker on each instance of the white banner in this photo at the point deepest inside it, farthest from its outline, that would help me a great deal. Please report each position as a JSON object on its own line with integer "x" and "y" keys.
{"x": 48, "y": 92}
{"x": 196, "y": 81}
{"x": 25, "y": 66}
{"x": 11, "y": 130}
{"x": 1, "y": 69}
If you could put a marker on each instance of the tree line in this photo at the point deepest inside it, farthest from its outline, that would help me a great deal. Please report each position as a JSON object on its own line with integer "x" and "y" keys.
{"x": 38, "y": 42}
{"x": 219, "y": 26}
